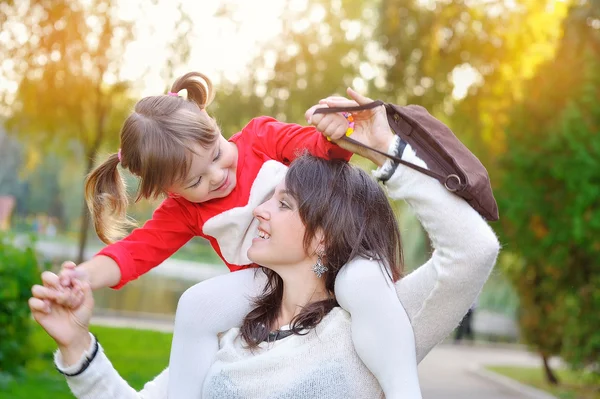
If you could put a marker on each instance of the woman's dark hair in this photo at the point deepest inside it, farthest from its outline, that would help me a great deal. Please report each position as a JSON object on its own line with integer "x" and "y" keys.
{"x": 356, "y": 219}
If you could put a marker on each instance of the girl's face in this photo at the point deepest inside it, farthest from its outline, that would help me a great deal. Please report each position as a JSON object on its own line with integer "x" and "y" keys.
{"x": 280, "y": 236}
{"x": 212, "y": 173}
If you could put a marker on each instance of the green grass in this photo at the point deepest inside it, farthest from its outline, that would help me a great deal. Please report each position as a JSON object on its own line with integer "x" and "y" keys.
{"x": 572, "y": 383}
{"x": 138, "y": 356}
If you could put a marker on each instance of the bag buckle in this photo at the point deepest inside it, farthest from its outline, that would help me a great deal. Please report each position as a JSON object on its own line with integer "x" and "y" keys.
{"x": 452, "y": 176}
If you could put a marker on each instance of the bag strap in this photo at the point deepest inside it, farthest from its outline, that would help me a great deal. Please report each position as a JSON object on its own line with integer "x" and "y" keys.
{"x": 441, "y": 178}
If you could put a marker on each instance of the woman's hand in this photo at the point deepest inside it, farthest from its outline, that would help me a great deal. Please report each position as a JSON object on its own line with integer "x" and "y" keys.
{"x": 67, "y": 326}
{"x": 371, "y": 126}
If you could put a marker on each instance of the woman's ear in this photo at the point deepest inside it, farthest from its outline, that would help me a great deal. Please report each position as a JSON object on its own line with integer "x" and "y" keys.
{"x": 319, "y": 241}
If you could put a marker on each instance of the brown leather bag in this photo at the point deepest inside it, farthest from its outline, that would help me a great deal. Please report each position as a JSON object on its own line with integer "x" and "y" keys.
{"x": 448, "y": 160}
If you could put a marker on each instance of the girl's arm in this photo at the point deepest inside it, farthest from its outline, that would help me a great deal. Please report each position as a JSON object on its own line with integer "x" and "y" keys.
{"x": 438, "y": 294}
{"x": 283, "y": 142}
{"x": 171, "y": 226}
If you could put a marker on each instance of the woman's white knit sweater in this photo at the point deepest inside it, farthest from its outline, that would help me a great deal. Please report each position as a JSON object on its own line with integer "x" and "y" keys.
{"x": 323, "y": 363}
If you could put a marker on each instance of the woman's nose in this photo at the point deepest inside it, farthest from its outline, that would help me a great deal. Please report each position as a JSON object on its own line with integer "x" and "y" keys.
{"x": 260, "y": 212}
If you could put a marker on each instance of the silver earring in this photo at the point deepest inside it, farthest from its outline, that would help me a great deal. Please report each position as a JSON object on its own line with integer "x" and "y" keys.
{"x": 319, "y": 268}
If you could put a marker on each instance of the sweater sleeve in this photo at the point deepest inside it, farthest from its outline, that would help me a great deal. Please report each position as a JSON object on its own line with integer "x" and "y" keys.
{"x": 438, "y": 294}
{"x": 101, "y": 381}
{"x": 160, "y": 237}
{"x": 283, "y": 142}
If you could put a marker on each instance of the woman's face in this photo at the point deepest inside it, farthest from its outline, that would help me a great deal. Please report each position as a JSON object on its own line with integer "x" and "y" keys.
{"x": 280, "y": 235}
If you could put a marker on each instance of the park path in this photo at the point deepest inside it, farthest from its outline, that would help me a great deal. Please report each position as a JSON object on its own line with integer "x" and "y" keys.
{"x": 456, "y": 372}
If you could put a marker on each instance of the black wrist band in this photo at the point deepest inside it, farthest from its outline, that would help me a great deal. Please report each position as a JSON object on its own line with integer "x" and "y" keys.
{"x": 397, "y": 152}
{"x": 86, "y": 362}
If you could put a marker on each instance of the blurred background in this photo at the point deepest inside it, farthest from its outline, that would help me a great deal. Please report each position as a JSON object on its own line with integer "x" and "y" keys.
{"x": 518, "y": 81}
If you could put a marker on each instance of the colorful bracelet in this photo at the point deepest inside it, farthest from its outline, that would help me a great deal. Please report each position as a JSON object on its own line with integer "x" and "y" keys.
{"x": 350, "y": 120}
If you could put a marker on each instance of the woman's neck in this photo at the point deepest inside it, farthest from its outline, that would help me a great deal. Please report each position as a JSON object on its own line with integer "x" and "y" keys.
{"x": 298, "y": 292}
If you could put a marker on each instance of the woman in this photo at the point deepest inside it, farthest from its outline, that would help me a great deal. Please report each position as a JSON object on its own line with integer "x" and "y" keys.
{"x": 322, "y": 216}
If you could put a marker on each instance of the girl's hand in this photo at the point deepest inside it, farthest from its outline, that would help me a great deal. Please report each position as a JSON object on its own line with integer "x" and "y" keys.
{"x": 67, "y": 326}
{"x": 66, "y": 276}
{"x": 371, "y": 126}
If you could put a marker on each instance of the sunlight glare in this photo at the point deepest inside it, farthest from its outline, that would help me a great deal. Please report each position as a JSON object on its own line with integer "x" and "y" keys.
{"x": 219, "y": 46}
{"x": 463, "y": 77}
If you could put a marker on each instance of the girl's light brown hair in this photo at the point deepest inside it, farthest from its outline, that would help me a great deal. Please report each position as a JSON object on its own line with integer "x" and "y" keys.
{"x": 156, "y": 146}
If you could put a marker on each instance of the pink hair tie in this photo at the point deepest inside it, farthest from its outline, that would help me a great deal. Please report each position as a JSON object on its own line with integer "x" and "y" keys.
{"x": 119, "y": 155}
{"x": 172, "y": 94}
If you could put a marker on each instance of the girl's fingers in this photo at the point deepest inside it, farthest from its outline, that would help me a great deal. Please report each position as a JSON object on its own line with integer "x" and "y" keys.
{"x": 333, "y": 127}
{"x": 67, "y": 273}
{"x": 68, "y": 265}
{"x": 309, "y": 114}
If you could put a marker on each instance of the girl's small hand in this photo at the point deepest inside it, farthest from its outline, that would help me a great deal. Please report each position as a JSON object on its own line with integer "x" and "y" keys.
{"x": 66, "y": 276}
{"x": 67, "y": 326}
{"x": 371, "y": 126}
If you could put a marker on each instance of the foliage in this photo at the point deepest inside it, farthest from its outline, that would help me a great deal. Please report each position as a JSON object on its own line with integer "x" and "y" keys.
{"x": 10, "y": 162}
{"x": 71, "y": 98}
{"x": 319, "y": 52}
{"x": 576, "y": 384}
{"x": 549, "y": 197}
{"x": 498, "y": 46}
{"x": 407, "y": 52}
{"x": 18, "y": 272}
{"x": 138, "y": 356}
{"x": 73, "y": 93}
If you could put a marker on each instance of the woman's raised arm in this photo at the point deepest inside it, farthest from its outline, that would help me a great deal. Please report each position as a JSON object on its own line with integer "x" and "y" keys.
{"x": 438, "y": 294}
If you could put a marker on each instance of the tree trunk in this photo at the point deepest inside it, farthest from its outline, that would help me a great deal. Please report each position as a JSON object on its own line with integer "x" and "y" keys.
{"x": 85, "y": 215}
{"x": 91, "y": 157}
{"x": 550, "y": 376}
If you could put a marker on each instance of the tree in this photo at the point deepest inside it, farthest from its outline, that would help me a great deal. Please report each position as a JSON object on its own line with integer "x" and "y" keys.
{"x": 71, "y": 98}
{"x": 10, "y": 161}
{"x": 549, "y": 197}
{"x": 319, "y": 52}
{"x": 435, "y": 48}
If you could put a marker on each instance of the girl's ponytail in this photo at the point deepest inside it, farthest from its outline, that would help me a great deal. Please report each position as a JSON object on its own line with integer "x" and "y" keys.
{"x": 106, "y": 197}
{"x": 199, "y": 88}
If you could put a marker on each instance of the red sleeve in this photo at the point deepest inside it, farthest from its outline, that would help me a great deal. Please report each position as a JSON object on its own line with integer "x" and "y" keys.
{"x": 148, "y": 246}
{"x": 283, "y": 142}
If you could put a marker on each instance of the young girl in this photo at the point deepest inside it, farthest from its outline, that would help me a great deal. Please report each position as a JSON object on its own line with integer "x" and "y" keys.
{"x": 212, "y": 185}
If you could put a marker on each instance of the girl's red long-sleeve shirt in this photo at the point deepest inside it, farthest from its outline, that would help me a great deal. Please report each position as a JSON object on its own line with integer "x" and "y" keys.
{"x": 225, "y": 222}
